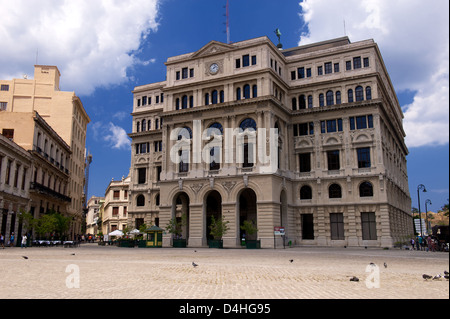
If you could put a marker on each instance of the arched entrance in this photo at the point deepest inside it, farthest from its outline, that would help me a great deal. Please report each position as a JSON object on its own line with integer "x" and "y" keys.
{"x": 213, "y": 208}
{"x": 247, "y": 211}
{"x": 180, "y": 210}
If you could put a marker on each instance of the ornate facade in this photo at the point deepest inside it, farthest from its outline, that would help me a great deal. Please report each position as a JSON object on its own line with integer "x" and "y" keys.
{"x": 335, "y": 174}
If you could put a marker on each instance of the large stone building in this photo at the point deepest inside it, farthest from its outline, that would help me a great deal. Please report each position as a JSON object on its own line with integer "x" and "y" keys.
{"x": 334, "y": 175}
{"x": 115, "y": 206}
{"x": 59, "y": 140}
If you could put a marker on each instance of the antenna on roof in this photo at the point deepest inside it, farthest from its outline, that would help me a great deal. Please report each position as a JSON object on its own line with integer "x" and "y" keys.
{"x": 228, "y": 21}
{"x": 345, "y": 31}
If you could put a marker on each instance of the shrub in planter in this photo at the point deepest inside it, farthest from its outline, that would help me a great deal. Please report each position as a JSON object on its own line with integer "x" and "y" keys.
{"x": 249, "y": 228}
{"x": 218, "y": 228}
{"x": 175, "y": 228}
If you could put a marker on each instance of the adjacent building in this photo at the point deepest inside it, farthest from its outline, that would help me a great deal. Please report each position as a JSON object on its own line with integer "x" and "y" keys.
{"x": 93, "y": 216}
{"x": 115, "y": 206}
{"x": 51, "y": 124}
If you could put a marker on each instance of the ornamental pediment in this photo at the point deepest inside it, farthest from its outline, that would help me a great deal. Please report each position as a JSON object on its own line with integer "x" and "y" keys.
{"x": 211, "y": 48}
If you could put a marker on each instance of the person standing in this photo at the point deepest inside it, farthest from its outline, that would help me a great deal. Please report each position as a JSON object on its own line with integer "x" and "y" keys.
{"x": 2, "y": 240}
{"x": 24, "y": 241}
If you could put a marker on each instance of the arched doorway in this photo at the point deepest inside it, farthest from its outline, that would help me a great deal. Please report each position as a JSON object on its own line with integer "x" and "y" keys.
{"x": 213, "y": 208}
{"x": 180, "y": 210}
{"x": 247, "y": 211}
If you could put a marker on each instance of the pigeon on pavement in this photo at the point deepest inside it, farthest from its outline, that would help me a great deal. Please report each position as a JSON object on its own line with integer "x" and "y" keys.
{"x": 354, "y": 279}
{"x": 24, "y": 257}
{"x": 426, "y": 277}
{"x": 385, "y": 265}
{"x": 194, "y": 264}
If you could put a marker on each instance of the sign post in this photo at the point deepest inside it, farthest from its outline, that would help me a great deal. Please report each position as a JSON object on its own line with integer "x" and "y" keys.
{"x": 278, "y": 231}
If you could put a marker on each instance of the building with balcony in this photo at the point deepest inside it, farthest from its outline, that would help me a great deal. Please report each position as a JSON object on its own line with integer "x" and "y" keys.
{"x": 308, "y": 138}
{"x": 115, "y": 206}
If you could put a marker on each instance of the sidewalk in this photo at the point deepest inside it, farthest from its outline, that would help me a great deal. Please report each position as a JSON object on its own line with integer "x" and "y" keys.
{"x": 109, "y": 272}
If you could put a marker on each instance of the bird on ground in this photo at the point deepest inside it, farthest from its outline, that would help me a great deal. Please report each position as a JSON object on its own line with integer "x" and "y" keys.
{"x": 426, "y": 277}
{"x": 437, "y": 277}
{"x": 446, "y": 277}
{"x": 354, "y": 279}
{"x": 385, "y": 265}
{"x": 445, "y": 272}
{"x": 195, "y": 251}
{"x": 72, "y": 254}
{"x": 194, "y": 264}
{"x": 24, "y": 257}
{"x": 291, "y": 260}
{"x": 372, "y": 264}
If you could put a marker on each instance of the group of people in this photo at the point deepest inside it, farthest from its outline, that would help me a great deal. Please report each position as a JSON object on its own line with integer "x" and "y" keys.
{"x": 427, "y": 243}
{"x": 23, "y": 243}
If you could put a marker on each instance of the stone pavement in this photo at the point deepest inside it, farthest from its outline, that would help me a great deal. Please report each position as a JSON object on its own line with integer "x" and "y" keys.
{"x": 159, "y": 273}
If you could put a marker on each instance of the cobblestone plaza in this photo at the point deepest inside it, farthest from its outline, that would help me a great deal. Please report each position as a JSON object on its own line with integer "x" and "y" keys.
{"x": 108, "y": 272}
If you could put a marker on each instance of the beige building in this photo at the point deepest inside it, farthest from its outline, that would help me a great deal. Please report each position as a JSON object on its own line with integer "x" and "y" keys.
{"x": 93, "y": 218}
{"x": 334, "y": 175}
{"x": 115, "y": 207}
{"x": 15, "y": 175}
{"x": 64, "y": 113}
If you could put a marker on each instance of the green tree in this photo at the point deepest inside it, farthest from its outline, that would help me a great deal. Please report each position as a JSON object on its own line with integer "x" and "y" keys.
{"x": 218, "y": 227}
{"x": 175, "y": 227}
{"x": 45, "y": 224}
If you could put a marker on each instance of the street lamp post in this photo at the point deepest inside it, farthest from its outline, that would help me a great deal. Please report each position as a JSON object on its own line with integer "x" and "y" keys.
{"x": 420, "y": 187}
{"x": 426, "y": 212}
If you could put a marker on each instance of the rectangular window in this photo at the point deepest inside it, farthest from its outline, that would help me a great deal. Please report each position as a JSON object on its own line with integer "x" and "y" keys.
{"x": 116, "y": 195}
{"x": 348, "y": 65}
{"x": 158, "y": 173}
{"x": 4, "y": 87}
{"x": 245, "y": 60}
{"x": 301, "y": 73}
{"x": 336, "y": 67}
{"x": 352, "y": 123}
{"x": 328, "y": 69}
{"x": 370, "y": 121}
{"x": 177, "y": 75}
{"x": 238, "y": 63}
{"x": 191, "y": 73}
{"x": 3, "y": 106}
{"x": 115, "y": 211}
{"x": 369, "y": 226}
{"x": 357, "y": 62}
{"x": 8, "y": 133}
{"x": 293, "y": 75}
{"x": 308, "y": 72}
{"x": 363, "y": 157}
{"x": 331, "y": 126}
{"x": 307, "y": 226}
{"x": 361, "y": 122}
{"x": 144, "y": 100}
{"x": 333, "y": 160}
{"x": 184, "y": 73}
{"x": 366, "y": 62}
{"x": 337, "y": 226}
{"x": 142, "y": 172}
{"x": 305, "y": 162}
{"x": 253, "y": 59}
{"x": 303, "y": 129}
{"x": 319, "y": 70}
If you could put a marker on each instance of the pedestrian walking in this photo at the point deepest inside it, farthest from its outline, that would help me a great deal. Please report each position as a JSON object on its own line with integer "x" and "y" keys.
{"x": 2, "y": 240}
{"x": 412, "y": 243}
{"x": 24, "y": 241}
{"x": 11, "y": 240}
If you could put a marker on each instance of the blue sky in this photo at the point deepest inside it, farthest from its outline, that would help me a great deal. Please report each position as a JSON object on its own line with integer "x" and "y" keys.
{"x": 104, "y": 49}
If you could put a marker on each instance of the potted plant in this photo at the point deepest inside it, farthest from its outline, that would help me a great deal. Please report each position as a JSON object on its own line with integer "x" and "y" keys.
{"x": 175, "y": 228}
{"x": 249, "y": 228}
{"x": 218, "y": 228}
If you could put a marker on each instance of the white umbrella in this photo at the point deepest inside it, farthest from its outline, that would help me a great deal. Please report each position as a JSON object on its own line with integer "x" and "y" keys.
{"x": 116, "y": 233}
{"x": 135, "y": 232}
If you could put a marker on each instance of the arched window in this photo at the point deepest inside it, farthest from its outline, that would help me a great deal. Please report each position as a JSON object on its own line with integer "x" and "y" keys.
{"x": 338, "y": 97}
{"x": 321, "y": 101}
{"x": 255, "y": 91}
{"x": 138, "y": 126}
{"x": 359, "y": 93}
{"x": 184, "y": 103}
{"x": 368, "y": 93}
{"x": 310, "y": 101}
{"x": 246, "y": 91}
{"x": 214, "y": 97}
{"x": 215, "y": 128}
{"x": 238, "y": 94}
{"x": 140, "y": 200}
{"x": 185, "y": 132}
{"x": 305, "y": 192}
{"x": 302, "y": 102}
{"x": 365, "y": 189}
{"x": 350, "y": 96}
{"x": 294, "y": 104}
{"x": 144, "y": 123}
{"x": 334, "y": 191}
{"x": 330, "y": 98}
{"x": 248, "y": 123}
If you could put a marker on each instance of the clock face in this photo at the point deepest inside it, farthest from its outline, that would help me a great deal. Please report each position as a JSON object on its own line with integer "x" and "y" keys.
{"x": 214, "y": 68}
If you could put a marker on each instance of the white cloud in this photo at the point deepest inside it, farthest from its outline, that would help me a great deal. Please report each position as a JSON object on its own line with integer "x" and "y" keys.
{"x": 92, "y": 42}
{"x": 413, "y": 37}
{"x": 117, "y": 137}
